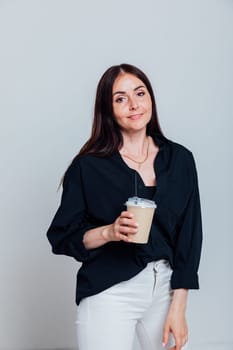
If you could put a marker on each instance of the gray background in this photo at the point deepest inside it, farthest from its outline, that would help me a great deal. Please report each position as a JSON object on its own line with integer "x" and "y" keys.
{"x": 52, "y": 55}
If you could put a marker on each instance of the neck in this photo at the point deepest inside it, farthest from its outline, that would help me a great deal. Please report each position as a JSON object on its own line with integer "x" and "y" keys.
{"x": 134, "y": 143}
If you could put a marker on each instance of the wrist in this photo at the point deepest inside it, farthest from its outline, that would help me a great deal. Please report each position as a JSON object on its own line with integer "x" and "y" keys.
{"x": 179, "y": 300}
{"x": 177, "y": 308}
{"x": 105, "y": 234}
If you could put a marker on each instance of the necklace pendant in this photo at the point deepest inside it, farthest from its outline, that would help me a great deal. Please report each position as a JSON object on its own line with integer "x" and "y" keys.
{"x": 135, "y": 161}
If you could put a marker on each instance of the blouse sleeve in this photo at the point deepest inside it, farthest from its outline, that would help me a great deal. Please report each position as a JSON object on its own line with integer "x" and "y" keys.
{"x": 70, "y": 222}
{"x": 189, "y": 239}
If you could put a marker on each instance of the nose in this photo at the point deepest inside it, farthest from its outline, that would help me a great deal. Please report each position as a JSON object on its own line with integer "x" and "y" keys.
{"x": 133, "y": 105}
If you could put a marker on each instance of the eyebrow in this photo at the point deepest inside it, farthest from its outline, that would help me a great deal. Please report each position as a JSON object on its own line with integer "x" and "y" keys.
{"x": 123, "y": 92}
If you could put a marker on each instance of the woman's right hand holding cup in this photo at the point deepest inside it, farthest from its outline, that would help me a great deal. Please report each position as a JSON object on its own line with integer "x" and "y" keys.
{"x": 121, "y": 229}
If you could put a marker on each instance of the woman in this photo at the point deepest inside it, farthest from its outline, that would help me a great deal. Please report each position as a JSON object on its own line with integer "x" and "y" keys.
{"x": 125, "y": 289}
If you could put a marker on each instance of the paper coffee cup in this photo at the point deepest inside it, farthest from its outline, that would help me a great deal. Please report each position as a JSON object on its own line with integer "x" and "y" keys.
{"x": 143, "y": 212}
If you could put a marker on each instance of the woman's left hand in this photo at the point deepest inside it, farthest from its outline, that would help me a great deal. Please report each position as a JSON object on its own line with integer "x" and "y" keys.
{"x": 176, "y": 321}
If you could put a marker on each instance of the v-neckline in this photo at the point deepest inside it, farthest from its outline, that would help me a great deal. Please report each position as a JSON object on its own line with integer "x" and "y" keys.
{"x": 135, "y": 171}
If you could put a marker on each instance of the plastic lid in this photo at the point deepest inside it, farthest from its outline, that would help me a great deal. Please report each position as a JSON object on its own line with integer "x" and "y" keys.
{"x": 141, "y": 202}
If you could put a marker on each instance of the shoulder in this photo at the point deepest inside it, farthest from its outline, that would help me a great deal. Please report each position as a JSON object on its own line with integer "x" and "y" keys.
{"x": 171, "y": 146}
{"x": 182, "y": 158}
{"x": 76, "y": 164}
{"x": 180, "y": 151}
{"x": 82, "y": 164}
{"x": 73, "y": 170}
{"x": 179, "y": 148}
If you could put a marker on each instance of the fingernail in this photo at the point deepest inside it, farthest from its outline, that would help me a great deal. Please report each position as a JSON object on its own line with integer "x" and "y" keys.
{"x": 164, "y": 344}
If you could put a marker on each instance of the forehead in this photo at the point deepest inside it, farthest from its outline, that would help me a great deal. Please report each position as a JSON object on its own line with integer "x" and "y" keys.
{"x": 126, "y": 82}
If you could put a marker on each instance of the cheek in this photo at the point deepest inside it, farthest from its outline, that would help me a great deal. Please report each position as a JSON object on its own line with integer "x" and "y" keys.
{"x": 118, "y": 112}
{"x": 148, "y": 103}
{"x": 148, "y": 106}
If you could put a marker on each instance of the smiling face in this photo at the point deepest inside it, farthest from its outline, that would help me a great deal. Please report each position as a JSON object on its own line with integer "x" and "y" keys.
{"x": 132, "y": 105}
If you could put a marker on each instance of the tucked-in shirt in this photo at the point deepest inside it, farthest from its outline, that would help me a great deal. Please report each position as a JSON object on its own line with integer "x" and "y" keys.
{"x": 95, "y": 190}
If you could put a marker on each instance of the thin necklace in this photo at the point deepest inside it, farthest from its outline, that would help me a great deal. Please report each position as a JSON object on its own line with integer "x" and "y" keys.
{"x": 137, "y": 162}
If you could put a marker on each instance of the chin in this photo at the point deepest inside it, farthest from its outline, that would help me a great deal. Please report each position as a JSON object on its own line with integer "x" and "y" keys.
{"x": 135, "y": 129}
{"x": 139, "y": 126}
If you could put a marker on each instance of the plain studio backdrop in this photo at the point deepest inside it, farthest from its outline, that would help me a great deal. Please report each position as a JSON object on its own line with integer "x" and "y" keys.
{"x": 52, "y": 54}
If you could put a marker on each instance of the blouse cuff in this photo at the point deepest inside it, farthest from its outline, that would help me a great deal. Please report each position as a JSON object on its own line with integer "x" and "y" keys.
{"x": 184, "y": 279}
{"x": 84, "y": 254}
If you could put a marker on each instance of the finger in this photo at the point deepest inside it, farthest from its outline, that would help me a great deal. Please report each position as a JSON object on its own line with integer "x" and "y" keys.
{"x": 124, "y": 238}
{"x": 127, "y": 239}
{"x": 127, "y": 230}
{"x": 165, "y": 335}
{"x": 179, "y": 343}
{"x": 127, "y": 222}
{"x": 126, "y": 214}
{"x": 185, "y": 341}
{"x": 120, "y": 234}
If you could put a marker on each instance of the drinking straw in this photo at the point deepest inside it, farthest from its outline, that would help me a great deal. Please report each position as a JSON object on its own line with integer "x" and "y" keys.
{"x": 135, "y": 184}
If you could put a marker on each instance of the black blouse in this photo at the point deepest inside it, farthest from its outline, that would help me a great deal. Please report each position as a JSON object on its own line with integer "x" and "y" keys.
{"x": 94, "y": 192}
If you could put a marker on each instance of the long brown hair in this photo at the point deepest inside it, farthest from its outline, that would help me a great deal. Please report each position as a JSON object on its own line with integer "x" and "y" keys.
{"x": 106, "y": 137}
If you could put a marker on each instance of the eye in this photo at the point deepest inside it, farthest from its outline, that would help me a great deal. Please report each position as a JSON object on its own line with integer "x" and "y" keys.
{"x": 141, "y": 93}
{"x": 120, "y": 99}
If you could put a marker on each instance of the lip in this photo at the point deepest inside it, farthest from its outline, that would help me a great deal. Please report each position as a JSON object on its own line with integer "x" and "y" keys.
{"x": 135, "y": 116}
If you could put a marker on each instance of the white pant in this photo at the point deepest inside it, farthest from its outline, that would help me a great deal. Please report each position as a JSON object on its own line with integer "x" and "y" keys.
{"x": 128, "y": 316}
